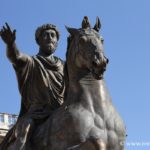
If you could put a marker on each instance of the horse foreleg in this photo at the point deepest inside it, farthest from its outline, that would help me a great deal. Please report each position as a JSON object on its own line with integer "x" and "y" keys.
{"x": 91, "y": 144}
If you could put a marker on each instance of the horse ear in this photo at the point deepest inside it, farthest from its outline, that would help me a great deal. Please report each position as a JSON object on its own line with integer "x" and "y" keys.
{"x": 97, "y": 25}
{"x": 85, "y": 23}
{"x": 72, "y": 31}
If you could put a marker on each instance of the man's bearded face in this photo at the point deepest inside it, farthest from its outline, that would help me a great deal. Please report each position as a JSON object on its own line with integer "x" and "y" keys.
{"x": 48, "y": 41}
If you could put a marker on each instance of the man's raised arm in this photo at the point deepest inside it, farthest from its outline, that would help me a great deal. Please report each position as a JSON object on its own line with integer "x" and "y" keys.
{"x": 9, "y": 37}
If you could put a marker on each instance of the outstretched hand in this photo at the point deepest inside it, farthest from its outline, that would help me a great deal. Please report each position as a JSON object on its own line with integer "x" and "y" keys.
{"x": 7, "y": 35}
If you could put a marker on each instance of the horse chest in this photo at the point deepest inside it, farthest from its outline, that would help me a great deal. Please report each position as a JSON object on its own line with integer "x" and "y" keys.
{"x": 89, "y": 122}
{"x": 98, "y": 123}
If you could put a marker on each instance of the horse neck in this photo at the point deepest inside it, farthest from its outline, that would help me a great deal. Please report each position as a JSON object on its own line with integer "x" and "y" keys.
{"x": 83, "y": 87}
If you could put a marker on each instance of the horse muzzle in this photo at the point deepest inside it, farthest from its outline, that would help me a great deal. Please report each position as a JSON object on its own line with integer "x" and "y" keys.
{"x": 99, "y": 67}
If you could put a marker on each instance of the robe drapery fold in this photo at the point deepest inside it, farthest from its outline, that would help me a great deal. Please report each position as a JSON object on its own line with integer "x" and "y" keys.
{"x": 41, "y": 85}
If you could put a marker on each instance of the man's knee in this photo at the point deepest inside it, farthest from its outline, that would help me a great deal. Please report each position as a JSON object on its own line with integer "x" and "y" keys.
{"x": 24, "y": 126}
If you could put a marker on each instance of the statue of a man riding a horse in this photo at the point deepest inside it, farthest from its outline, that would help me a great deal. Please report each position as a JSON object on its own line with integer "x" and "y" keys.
{"x": 87, "y": 119}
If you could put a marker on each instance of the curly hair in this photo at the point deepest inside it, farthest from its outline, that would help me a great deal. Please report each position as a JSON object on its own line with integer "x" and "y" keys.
{"x": 44, "y": 27}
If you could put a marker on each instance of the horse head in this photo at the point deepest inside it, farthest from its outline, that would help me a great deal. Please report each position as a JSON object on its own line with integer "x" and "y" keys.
{"x": 85, "y": 48}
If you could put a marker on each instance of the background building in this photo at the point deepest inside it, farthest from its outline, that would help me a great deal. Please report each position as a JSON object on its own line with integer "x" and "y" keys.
{"x": 6, "y": 122}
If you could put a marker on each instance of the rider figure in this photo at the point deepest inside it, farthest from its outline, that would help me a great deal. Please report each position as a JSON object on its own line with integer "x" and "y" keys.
{"x": 40, "y": 81}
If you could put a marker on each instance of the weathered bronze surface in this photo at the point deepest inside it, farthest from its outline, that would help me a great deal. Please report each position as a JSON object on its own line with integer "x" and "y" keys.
{"x": 40, "y": 81}
{"x": 87, "y": 119}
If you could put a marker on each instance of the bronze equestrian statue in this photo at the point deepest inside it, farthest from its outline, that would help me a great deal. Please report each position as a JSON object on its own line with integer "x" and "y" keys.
{"x": 87, "y": 120}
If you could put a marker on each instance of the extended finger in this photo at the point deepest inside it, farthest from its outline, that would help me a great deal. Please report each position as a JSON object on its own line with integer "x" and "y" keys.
{"x": 4, "y": 28}
{"x": 2, "y": 31}
{"x": 14, "y": 32}
{"x": 8, "y": 27}
{"x": 3, "y": 34}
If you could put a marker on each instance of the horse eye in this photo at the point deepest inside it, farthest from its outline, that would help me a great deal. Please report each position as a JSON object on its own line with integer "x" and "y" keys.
{"x": 102, "y": 40}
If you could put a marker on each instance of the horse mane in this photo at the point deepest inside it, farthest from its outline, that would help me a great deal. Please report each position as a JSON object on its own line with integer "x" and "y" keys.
{"x": 69, "y": 40}
{"x": 66, "y": 76}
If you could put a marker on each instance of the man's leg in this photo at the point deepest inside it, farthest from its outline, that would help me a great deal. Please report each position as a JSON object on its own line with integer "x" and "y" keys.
{"x": 23, "y": 133}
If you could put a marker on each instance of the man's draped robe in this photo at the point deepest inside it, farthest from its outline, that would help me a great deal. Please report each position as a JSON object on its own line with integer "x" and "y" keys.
{"x": 41, "y": 85}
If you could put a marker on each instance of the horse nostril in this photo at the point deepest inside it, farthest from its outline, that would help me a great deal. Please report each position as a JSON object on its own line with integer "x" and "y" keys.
{"x": 107, "y": 60}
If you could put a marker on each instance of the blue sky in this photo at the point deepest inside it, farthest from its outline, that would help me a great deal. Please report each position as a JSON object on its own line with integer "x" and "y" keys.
{"x": 126, "y": 31}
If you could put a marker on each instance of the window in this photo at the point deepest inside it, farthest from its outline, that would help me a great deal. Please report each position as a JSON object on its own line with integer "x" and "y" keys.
{"x": 12, "y": 119}
{"x": 1, "y": 118}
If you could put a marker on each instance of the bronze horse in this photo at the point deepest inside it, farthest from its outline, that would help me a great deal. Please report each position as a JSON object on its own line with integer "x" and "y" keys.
{"x": 87, "y": 120}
